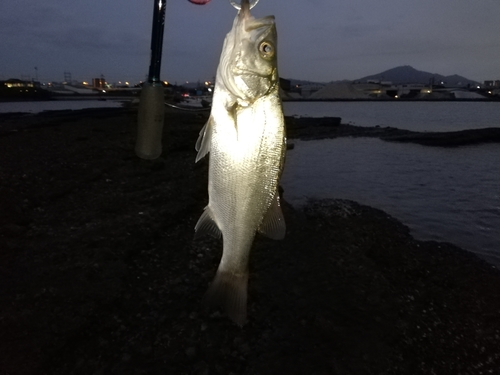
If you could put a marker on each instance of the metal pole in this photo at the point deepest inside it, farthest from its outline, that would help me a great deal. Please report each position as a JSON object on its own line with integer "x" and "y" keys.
{"x": 151, "y": 107}
{"x": 157, "y": 40}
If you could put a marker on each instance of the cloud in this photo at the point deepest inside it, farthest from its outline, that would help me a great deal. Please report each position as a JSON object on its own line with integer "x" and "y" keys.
{"x": 81, "y": 37}
{"x": 321, "y": 38}
{"x": 358, "y": 30}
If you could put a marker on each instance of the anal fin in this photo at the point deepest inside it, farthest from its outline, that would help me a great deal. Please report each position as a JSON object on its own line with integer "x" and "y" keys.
{"x": 273, "y": 225}
{"x": 207, "y": 225}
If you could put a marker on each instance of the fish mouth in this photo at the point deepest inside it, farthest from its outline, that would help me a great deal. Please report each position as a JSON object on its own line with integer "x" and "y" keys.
{"x": 254, "y": 24}
{"x": 245, "y": 7}
{"x": 237, "y": 6}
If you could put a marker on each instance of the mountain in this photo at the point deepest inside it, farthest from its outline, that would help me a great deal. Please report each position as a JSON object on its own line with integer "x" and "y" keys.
{"x": 407, "y": 74}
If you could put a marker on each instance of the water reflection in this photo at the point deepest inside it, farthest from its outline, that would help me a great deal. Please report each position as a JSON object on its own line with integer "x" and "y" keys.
{"x": 444, "y": 194}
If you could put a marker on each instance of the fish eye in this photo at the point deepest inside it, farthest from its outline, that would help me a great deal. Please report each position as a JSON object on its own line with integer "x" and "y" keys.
{"x": 266, "y": 49}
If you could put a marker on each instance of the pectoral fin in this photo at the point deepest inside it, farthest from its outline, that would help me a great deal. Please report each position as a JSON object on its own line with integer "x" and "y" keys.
{"x": 207, "y": 225}
{"x": 204, "y": 142}
{"x": 273, "y": 225}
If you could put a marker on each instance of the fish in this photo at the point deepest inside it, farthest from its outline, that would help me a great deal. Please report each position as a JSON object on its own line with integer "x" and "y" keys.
{"x": 246, "y": 142}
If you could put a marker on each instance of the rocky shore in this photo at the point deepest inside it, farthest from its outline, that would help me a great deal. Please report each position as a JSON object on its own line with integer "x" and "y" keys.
{"x": 100, "y": 273}
{"x": 331, "y": 127}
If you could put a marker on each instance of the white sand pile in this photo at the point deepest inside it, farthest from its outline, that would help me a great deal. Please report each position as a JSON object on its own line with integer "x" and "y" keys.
{"x": 341, "y": 90}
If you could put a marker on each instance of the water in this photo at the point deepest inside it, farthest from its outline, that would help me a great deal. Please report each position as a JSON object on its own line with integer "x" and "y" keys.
{"x": 417, "y": 116}
{"x": 442, "y": 194}
{"x": 55, "y": 105}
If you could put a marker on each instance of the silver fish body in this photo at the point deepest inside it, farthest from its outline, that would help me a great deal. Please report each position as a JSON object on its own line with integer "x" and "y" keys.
{"x": 245, "y": 136}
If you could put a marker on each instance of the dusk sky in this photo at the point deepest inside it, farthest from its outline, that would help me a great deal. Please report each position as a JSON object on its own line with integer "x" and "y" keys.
{"x": 319, "y": 40}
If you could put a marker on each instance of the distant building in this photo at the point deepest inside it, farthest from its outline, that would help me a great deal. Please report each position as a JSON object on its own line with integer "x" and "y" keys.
{"x": 495, "y": 84}
{"x": 14, "y": 83}
{"x": 17, "y": 88}
{"x": 98, "y": 83}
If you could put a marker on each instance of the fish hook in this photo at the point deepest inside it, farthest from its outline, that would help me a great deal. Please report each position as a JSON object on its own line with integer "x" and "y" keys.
{"x": 238, "y": 6}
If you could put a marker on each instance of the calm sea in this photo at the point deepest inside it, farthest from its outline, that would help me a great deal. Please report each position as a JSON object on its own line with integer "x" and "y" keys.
{"x": 443, "y": 194}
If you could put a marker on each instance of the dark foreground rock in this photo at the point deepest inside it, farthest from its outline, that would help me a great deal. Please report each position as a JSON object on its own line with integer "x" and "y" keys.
{"x": 100, "y": 274}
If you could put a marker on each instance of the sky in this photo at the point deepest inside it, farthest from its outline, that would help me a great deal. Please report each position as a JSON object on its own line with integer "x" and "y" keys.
{"x": 318, "y": 40}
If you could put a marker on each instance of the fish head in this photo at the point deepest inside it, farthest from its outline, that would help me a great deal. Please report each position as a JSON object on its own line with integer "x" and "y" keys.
{"x": 248, "y": 65}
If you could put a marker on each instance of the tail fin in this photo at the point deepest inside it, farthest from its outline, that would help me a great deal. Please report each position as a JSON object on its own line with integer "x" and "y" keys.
{"x": 229, "y": 291}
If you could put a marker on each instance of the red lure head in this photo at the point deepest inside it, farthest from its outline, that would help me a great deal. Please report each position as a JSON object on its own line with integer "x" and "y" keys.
{"x": 199, "y": 2}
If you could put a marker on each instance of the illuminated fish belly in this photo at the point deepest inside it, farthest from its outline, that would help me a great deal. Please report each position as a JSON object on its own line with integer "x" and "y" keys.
{"x": 245, "y": 136}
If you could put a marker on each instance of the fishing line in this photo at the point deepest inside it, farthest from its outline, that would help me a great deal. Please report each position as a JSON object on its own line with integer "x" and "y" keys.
{"x": 187, "y": 109}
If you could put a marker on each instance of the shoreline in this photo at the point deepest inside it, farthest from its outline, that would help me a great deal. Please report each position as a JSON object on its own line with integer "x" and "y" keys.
{"x": 305, "y": 128}
{"x": 100, "y": 271}
{"x": 128, "y": 96}
{"x": 312, "y": 128}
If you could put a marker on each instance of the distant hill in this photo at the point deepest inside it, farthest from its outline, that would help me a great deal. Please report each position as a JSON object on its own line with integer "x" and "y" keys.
{"x": 407, "y": 74}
